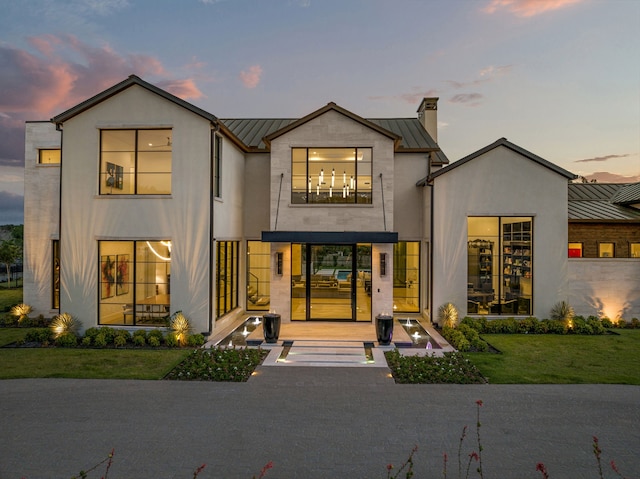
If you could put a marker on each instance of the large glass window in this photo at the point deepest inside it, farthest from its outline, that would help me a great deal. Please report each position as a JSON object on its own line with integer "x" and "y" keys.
{"x": 135, "y": 282}
{"x": 500, "y": 265}
{"x": 406, "y": 277}
{"x": 634, "y": 250}
{"x": 227, "y": 274}
{"x": 135, "y": 162}
{"x": 47, "y": 157}
{"x": 331, "y": 175}
{"x": 258, "y": 275}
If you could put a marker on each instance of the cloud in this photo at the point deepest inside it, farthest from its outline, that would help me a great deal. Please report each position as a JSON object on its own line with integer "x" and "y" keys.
{"x": 527, "y": 8}
{"x": 251, "y": 77}
{"x": 472, "y": 98}
{"x": 413, "y": 98}
{"x": 487, "y": 74}
{"x": 60, "y": 71}
{"x": 606, "y": 177}
{"x": 12, "y": 211}
{"x": 602, "y": 158}
{"x": 185, "y": 89}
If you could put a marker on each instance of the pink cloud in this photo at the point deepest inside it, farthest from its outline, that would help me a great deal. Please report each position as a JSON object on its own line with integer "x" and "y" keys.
{"x": 63, "y": 71}
{"x": 184, "y": 89}
{"x": 607, "y": 177}
{"x": 251, "y": 78}
{"x": 528, "y": 8}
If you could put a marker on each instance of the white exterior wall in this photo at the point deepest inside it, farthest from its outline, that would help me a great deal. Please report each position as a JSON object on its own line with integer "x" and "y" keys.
{"x": 500, "y": 183}
{"x": 41, "y": 213}
{"x": 605, "y": 287}
{"x": 182, "y": 217}
{"x": 332, "y": 129}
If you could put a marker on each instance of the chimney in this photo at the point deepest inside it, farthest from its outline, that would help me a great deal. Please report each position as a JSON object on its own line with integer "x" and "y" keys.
{"x": 428, "y": 116}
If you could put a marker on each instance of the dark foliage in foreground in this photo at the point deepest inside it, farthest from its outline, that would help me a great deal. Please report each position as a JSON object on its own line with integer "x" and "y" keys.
{"x": 218, "y": 364}
{"x": 452, "y": 368}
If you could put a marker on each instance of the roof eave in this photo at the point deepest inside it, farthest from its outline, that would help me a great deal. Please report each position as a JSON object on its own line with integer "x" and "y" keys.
{"x": 123, "y": 85}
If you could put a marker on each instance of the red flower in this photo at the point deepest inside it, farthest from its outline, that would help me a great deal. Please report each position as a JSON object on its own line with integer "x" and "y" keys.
{"x": 474, "y": 456}
{"x": 479, "y": 402}
{"x": 389, "y": 467}
{"x": 541, "y": 467}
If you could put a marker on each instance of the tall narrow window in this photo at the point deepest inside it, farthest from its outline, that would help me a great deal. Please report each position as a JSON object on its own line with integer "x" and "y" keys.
{"x": 48, "y": 156}
{"x": 55, "y": 274}
{"x": 634, "y": 250}
{"x": 500, "y": 265}
{"x": 134, "y": 282}
{"x": 258, "y": 275}
{"x": 331, "y": 175}
{"x": 406, "y": 276}
{"x": 227, "y": 276}
{"x": 135, "y": 162}
{"x": 217, "y": 165}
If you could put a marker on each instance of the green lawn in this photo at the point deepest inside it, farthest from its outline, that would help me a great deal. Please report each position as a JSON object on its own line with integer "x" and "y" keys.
{"x": 561, "y": 359}
{"x": 84, "y": 363}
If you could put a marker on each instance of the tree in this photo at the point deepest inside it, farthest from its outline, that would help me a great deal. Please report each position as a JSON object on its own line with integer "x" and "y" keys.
{"x": 9, "y": 253}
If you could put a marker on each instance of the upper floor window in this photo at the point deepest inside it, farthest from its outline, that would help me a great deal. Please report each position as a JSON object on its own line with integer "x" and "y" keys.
{"x": 217, "y": 164}
{"x": 135, "y": 162}
{"x": 331, "y": 175}
{"x": 48, "y": 156}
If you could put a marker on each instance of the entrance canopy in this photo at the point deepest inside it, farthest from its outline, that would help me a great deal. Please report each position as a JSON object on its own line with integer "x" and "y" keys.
{"x": 330, "y": 237}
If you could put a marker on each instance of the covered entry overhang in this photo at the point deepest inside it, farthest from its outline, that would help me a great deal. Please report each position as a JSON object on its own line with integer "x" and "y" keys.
{"x": 330, "y": 237}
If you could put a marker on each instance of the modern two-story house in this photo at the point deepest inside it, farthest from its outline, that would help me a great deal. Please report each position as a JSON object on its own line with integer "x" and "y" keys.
{"x": 139, "y": 204}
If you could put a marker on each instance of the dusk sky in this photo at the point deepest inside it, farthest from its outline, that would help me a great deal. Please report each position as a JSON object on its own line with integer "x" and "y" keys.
{"x": 560, "y": 78}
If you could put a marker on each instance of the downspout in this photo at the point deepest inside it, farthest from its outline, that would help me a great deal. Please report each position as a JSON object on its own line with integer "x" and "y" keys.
{"x": 275, "y": 227}
{"x": 215, "y": 128}
{"x": 384, "y": 215}
{"x": 60, "y": 129}
{"x": 429, "y": 183}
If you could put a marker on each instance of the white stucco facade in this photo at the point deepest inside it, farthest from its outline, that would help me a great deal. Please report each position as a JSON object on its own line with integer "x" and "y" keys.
{"x": 413, "y": 201}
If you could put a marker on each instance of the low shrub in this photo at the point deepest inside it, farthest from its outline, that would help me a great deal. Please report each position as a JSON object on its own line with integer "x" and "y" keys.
{"x": 171, "y": 340}
{"x": 91, "y": 333}
{"x": 154, "y": 341}
{"x": 451, "y": 368}
{"x": 139, "y": 340}
{"x": 100, "y": 341}
{"x": 456, "y": 338}
{"x": 195, "y": 340}
{"x": 120, "y": 341}
{"x": 86, "y": 341}
{"x": 155, "y": 333}
{"x": 67, "y": 340}
{"x": 39, "y": 335}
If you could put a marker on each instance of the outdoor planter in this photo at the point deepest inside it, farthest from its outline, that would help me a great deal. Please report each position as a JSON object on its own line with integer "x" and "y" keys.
{"x": 384, "y": 329}
{"x": 271, "y": 327}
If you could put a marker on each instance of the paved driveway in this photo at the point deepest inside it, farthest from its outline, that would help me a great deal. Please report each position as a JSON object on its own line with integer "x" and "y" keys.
{"x": 312, "y": 423}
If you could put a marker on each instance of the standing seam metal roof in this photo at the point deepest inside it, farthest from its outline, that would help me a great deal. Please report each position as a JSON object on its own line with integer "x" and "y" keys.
{"x": 598, "y": 202}
{"x": 251, "y": 131}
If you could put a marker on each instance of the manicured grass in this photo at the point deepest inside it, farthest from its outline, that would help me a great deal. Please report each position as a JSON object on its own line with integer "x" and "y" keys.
{"x": 561, "y": 359}
{"x": 9, "y": 297}
{"x": 83, "y": 363}
{"x": 88, "y": 363}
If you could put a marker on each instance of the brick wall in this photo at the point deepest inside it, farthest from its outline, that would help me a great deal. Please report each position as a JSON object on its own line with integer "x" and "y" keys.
{"x": 591, "y": 234}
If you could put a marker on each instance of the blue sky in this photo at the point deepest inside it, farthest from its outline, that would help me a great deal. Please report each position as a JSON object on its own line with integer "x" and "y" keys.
{"x": 560, "y": 78}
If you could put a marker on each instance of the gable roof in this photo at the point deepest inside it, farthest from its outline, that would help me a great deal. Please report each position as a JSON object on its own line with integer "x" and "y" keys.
{"x": 589, "y": 202}
{"x": 331, "y": 106}
{"x": 507, "y": 144}
{"x": 123, "y": 85}
{"x": 250, "y": 133}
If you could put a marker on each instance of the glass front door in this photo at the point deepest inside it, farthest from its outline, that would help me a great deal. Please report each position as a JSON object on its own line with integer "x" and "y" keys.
{"x": 331, "y": 282}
